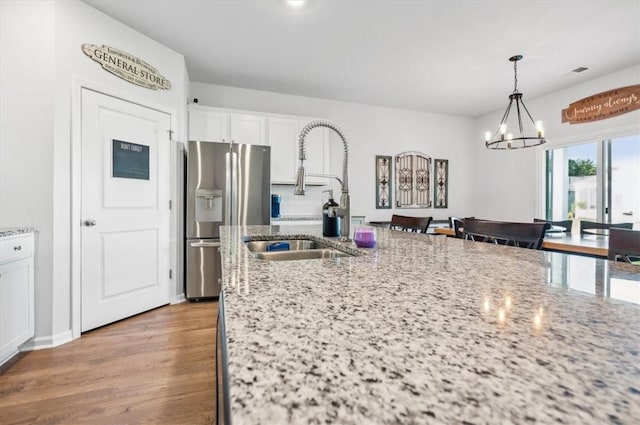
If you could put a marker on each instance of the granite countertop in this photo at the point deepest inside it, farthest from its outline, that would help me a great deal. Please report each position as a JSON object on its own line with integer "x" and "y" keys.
{"x": 430, "y": 329}
{"x": 10, "y": 231}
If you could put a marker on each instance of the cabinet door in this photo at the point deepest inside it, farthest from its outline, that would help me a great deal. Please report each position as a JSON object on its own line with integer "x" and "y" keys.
{"x": 249, "y": 129}
{"x": 316, "y": 145}
{"x": 283, "y": 136}
{"x": 16, "y": 306}
{"x": 206, "y": 125}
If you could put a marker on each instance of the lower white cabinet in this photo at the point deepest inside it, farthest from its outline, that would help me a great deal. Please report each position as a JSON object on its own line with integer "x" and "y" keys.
{"x": 17, "y": 314}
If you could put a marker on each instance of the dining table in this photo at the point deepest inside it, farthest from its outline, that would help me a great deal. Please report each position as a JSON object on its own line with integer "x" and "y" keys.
{"x": 583, "y": 244}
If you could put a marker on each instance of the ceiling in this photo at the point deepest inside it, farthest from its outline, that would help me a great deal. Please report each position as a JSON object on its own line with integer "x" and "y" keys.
{"x": 447, "y": 57}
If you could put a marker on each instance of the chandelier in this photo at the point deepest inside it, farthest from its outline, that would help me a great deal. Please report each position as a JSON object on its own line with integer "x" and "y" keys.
{"x": 502, "y": 138}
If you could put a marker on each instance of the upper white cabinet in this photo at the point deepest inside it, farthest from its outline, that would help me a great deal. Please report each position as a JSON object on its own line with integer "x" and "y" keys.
{"x": 217, "y": 125}
{"x": 281, "y": 132}
{"x": 283, "y": 139}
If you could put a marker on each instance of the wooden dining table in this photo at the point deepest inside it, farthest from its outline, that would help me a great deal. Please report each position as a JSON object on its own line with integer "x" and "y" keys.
{"x": 593, "y": 245}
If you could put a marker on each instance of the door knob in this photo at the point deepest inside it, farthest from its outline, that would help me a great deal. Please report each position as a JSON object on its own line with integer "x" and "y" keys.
{"x": 89, "y": 223}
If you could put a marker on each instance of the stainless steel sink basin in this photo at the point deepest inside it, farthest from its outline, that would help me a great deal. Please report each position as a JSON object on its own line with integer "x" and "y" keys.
{"x": 302, "y": 254}
{"x": 299, "y": 249}
{"x": 294, "y": 245}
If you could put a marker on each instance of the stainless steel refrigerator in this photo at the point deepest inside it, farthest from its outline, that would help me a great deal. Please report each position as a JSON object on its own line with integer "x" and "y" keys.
{"x": 226, "y": 184}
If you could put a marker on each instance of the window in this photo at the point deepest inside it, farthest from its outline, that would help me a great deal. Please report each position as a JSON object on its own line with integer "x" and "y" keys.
{"x": 595, "y": 181}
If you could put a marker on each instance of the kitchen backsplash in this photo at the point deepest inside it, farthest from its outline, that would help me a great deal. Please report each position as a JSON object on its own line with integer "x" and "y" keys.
{"x": 292, "y": 205}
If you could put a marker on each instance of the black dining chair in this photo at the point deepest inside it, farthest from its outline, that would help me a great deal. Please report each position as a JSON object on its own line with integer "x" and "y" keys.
{"x": 457, "y": 224}
{"x": 566, "y": 224}
{"x": 624, "y": 245}
{"x": 410, "y": 224}
{"x": 592, "y": 227}
{"x": 523, "y": 235}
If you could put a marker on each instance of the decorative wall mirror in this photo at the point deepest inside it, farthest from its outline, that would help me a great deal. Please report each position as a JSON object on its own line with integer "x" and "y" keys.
{"x": 413, "y": 180}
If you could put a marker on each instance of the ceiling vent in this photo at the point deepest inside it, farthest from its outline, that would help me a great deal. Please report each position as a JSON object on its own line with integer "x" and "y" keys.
{"x": 581, "y": 69}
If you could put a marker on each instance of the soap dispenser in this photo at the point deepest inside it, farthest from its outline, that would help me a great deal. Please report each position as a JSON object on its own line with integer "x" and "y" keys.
{"x": 330, "y": 225}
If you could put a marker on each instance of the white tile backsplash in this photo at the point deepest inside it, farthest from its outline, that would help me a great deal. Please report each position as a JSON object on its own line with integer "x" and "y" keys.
{"x": 293, "y": 205}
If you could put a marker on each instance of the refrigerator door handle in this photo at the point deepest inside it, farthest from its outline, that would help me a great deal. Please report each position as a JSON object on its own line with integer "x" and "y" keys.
{"x": 227, "y": 191}
{"x": 235, "y": 212}
{"x": 204, "y": 244}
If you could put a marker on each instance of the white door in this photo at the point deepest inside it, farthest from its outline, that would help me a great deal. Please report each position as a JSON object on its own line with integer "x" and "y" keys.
{"x": 125, "y": 209}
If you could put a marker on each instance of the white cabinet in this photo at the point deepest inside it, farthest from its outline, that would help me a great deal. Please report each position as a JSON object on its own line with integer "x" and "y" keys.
{"x": 17, "y": 314}
{"x": 283, "y": 139}
{"x": 217, "y": 125}
{"x": 281, "y": 132}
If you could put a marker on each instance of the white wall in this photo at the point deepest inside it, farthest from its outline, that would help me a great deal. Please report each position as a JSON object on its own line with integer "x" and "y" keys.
{"x": 37, "y": 118}
{"x": 370, "y": 131}
{"x": 509, "y": 184}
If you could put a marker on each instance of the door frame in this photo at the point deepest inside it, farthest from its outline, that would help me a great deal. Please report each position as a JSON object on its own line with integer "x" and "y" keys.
{"x": 79, "y": 84}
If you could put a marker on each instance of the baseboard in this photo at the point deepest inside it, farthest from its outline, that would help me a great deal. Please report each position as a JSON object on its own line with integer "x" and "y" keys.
{"x": 177, "y": 299}
{"x": 49, "y": 341}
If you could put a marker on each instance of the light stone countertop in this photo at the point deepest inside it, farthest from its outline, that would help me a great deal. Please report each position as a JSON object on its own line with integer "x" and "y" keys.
{"x": 430, "y": 330}
{"x": 10, "y": 231}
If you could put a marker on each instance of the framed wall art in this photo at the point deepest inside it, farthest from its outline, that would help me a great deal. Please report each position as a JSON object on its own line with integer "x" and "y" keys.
{"x": 413, "y": 180}
{"x": 441, "y": 190}
{"x": 383, "y": 182}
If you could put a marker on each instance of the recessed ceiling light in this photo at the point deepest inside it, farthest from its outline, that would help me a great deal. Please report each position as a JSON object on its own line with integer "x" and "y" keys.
{"x": 581, "y": 69}
{"x": 295, "y": 3}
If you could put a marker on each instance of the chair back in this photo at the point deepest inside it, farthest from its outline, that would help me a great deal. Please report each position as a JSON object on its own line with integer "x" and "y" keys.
{"x": 457, "y": 224}
{"x": 567, "y": 224}
{"x": 624, "y": 245}
{"x": 523, "y": 235}
{"x": 410, "y": 224}
{"x": 588, "y": 227}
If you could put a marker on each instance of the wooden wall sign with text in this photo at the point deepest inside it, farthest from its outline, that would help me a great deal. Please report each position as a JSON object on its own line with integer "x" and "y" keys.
{"x": 127, "y": 66}
{"x": 603, "y": 105}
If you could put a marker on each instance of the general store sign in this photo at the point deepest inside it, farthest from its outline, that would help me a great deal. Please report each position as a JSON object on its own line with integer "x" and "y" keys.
{"x": 603, "y": 105}
{"x": 127, "y": 66}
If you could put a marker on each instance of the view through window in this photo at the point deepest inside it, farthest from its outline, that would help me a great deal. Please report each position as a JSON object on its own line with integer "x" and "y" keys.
{"x": 595, "y": 181}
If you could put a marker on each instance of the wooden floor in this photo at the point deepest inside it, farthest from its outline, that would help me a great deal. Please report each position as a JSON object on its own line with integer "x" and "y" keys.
{"x": 154, "y": 368}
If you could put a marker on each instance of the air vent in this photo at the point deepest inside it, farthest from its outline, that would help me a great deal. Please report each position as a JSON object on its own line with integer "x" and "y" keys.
{"x": 581, "y": 69}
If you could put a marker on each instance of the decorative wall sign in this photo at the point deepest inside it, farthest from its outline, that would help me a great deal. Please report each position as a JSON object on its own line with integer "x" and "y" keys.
{"x": 127, "y": 66}
{"x": 130, "y": 160}
{"x": 603, "y": 105}
{"x": 383, "y": 182}
{"x": 413, "y": 180}
{"x": 441, "y": 190}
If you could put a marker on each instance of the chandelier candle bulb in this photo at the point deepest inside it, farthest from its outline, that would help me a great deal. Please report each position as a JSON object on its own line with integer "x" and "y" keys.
{"x": 487, "y": 136}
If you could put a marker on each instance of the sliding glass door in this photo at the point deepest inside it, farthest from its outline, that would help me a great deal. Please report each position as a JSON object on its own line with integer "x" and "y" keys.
{"x": 595, "y": 181}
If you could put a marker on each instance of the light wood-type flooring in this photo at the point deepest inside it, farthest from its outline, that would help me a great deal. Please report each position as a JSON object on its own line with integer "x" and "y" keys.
{"x": 154, "y": 368}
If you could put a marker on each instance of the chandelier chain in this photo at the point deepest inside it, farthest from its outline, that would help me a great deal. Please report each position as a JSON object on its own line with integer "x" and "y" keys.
{"x": 515, "y": 76}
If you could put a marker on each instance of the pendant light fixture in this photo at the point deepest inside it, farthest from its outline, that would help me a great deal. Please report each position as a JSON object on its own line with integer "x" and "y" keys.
{"x": 503, "y": 138}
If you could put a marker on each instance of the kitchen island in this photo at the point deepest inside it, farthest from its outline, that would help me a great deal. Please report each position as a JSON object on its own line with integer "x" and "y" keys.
{"x": 429, "y": 329}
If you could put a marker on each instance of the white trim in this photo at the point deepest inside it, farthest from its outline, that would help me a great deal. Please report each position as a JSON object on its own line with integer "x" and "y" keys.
{"x": 177, "y": 299}
{"x": 77, "y": 85}
{"x": 49, "y": 341}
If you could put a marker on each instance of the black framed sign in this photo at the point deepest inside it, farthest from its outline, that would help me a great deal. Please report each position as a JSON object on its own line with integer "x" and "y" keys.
{"x": 130, "y": 160}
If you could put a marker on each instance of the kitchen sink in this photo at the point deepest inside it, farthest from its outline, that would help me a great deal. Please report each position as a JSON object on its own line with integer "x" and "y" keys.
{"x": 301, "y": 254}
{"x": 298, "y": 249}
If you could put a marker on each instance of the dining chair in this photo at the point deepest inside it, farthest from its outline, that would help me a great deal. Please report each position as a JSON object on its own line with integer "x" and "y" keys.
{"x": 624, "y": 245}
{"x": 566, "y": 224}
{"x": 457, "y": 224}
{"x": 410, "y": 224}
{"x": 523, "y": 235}
{"x": 586, "y": 227}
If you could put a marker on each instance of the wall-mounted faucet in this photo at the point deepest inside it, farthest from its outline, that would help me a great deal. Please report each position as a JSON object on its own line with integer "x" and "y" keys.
{"x": 343, "y": 211}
